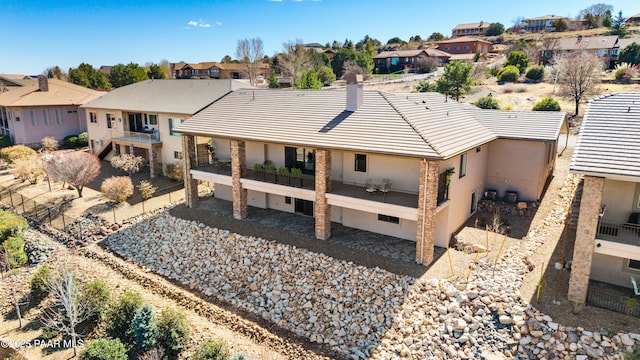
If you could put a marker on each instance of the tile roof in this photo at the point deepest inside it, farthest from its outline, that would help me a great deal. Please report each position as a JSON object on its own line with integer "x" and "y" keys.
{"x": 477, "y": 25}
{"x": 587, "y": 43}
{"x": 463, "y": 39}
{"x": 166, "y": 96}
{"x": 17, "y": 80}
{"x": 60, "y": 93}
{"x": 399, "y": 53}
{"x": 423, "y": 125}
{"x": 609, "y": 136}
{"x": 623, "y": 43}
{"x": 544, "y": 17}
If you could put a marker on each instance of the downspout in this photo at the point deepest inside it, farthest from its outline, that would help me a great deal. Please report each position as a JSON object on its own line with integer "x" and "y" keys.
{"x": 424, "y": 204}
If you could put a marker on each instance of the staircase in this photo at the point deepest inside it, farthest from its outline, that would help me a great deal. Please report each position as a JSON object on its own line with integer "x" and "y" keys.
{"x": 575, "y": 206}
{"x": 105, "y": 150}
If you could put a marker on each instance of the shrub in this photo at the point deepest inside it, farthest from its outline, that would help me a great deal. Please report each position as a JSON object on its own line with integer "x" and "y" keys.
{"x": 29, "y": 169}
{"x": 535, "y": 73}
{"x": 427, "y": 65}
{"x": 127, "y": 162}
{"x": 70, "y": 141}
{"x": 41, "y": 277}
{"x": 173, "y": 329}
{"x": 117, "y": 188}
{"x": 624, "y": 71}
{"x": 15, "y": 152}
{"x": 424, "y": 86}
{"x": 175, "y": 171}
{"x": 518, "y": 59}
{"x": 83, "y": 139}
{"x": 49, "y": 143}
{"x": 104, "y": 349}
{"x": 212, "y": 350}
{"x": 120, "y": 315}
{"x": 5, "y": 141}
{"x": 15, "y": 251}
{"x": 12, "y": 227}
{"x": 509, "y": 74}
{"x": 144, "y": 328}
{"x": 487, "y": 102}
{"x": 494, "y": 71}
{"x": 96, "y": 296}
{"x": 507, "y": 107}
{"x": 546, "y": 104}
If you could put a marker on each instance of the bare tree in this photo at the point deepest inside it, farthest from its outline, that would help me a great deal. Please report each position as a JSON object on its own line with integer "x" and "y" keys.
{"x": 548, "y": 46}
{"x": 579, "y": 75}
{"x": 250, "y": 53}
{"x": 294, "y": 60}
{"x": 12, "y": 284}
{"x": 75, "y": 168}
{"x": 128, "y": 163}
{"x": 68, "y": 309}
{"x": 517, "y": 24}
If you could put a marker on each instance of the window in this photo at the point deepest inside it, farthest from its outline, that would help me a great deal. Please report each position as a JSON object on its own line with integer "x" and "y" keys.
{"x": 360, "y": 163}
{"x": 45, "y": 117}
{"x": 390, "y": 219}
{"x": 466, "y": 47}
{"x": 474, "y": 202}
{"x": 215, "y": 72}
{"x": 32, "y": 114}
{"x": 463, "y": 165}
{"x": 456, "y": 47}
{"x": 110, "y": 120}
{"x": 58, "y": 118}
{"x": 287, "y": 200}
{"x": 634, "y": 264}
{"x": 448, "y": 48}
{"x": 177, "y": 155}
{"x": 152, "y": 118}
{"x": 17, "y": 116}
{"x": 72, "y": 111}
{"x": 394, "y": 61}
{"x": 173, "y": 122}
{"x": 92, "y": 117}
{"x": 478, "y": 149}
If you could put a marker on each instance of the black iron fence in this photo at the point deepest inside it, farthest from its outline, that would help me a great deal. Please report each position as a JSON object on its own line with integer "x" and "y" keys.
{"x": 614, "y": 301}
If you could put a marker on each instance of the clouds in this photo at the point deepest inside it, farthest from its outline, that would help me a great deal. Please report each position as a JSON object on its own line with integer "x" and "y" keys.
{"x": 200, "y": 24}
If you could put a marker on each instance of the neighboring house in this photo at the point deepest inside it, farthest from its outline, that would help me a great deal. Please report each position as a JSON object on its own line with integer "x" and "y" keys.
{"x": 464, "y": 45}
{"x": 46, "y": 107}
{"x": 369, "y": 159}
{"x": 623, "y": 43}
{"x": 392, "y": 61}
{"x": 633, "y": 20}
{"x": 607, "y": 245}
{"x": 216, "y": 70}
{"x": 473, "y": 29}
{"x": 541, "y": 23}
{"x": 606, "y": 48}
{"x": 140, "y": 118}
{"x": 319, "y": 48}
{"x": 8, "y": 81}
{"x": 106, "y": 70}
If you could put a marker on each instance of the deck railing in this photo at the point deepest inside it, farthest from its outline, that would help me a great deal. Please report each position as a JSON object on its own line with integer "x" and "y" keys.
{"x": 624, "y": 233}
{"x": 615, "y": 302}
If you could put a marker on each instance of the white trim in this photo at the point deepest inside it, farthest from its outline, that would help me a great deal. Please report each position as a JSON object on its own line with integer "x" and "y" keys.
{"x": 616, "y": 249}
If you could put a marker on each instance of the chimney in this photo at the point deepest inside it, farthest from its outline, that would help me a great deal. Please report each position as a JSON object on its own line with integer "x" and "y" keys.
{"x": 579, "y": 38}
{"x": 354, "y": 91}
{"x": 43, "y": 83}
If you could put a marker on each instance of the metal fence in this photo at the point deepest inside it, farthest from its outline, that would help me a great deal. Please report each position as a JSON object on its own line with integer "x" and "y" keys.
{"x": 614, "y": 301}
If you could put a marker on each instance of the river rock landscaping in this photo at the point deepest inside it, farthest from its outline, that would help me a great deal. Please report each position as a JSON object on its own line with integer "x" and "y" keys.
{"x": 370, "y": 313}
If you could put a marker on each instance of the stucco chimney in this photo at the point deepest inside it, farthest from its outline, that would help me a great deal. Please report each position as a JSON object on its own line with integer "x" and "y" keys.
{"x": 43, "y": 83}
{"x": 354, "y": 91}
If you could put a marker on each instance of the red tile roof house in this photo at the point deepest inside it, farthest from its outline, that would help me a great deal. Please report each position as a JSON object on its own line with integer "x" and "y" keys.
{"x": 473, "y": 29}
{"x": 607, "y": 245}
{"x": 369, "y": 159}
{"x": 392, "y": 61}
{"x": 47, "y": 107}
{"x": 464, "y": 45}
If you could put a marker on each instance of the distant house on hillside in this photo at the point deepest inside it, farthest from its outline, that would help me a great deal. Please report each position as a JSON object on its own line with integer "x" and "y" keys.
{"x": 8, "y": 82}
{"x": 464, "y": 45}
{"x": 541, "y": 23}
{"x": 140, "y": 118}
{"x": 106, "y": 70}
{"x": 46, "y": 107}
{"x": 633, "y": 20}
{"x": 216, "y": 70}
{"x": 607, "y": 48}
{"x": 473, "y": 29}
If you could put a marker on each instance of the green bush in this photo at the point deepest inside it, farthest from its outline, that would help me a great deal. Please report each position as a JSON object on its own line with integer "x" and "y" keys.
{"x": 120, "y": 315}
{"x": 5, "y": 141}
{"x": 15, "y": 250}
{"x": 509, "y": 74}
{"x": 546, "y": 104}
{"x": 104, "y": 349}
{"x": 494, "y": 71}
{"x": 487, "y": 102}
{"x": 173, "y": 329}
{"x": 535, "y": 73}
{"x": 70, "y": 141}
{"x": 144, "y": 328}
{"x": 517, "y": 59}
{"x": 12, "y": 227}
{"x": 83, "y": 139}
{"x": 212, "y": 350}
{"x": 96, "y": 295}
{"x": 175, "y": 171}
{"x": 15, "y": 152}
{"x": 424, "y": 86}
{"x": 39, "y": 281}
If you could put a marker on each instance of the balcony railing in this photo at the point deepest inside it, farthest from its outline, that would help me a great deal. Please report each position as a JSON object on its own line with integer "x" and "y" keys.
{"x": 148, "y": 137}
{"x": 621, "y": 233}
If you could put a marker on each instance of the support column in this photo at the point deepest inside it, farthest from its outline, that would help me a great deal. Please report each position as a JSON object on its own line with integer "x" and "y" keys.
{"x": 322, "y": 209}
{"x": 585, "y": 241}
{"x": 190, "y": 184}
{"x": 427, "y": 203}
{"x": 153, "y": 161}
{"x": 238, "y": 171}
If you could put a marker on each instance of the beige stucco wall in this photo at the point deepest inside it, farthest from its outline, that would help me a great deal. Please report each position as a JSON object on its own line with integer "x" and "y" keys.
{"x": 404, "y": 173}
{"x": 223, "y": 192}
{"x": 277, "y": 202}
{"x": 612, "y": 270}
{"x": 519, "y": 165}
{"x": 24, "y": 132}
{"x": 619, "y": 197}
{"x": 406, "y": 229}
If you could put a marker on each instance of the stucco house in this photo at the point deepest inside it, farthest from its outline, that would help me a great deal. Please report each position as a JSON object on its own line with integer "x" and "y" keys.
{"x": 606, "y": 48}
{"x": 472, "y": 29}
{"x": 464, "y": 45}
{"x": 391, "y": 61}
{"x": 140, "y": 118}
{"x": 370, "y": 160}
{"x": 608, "y": 233}
{"x": 46, "y": 107}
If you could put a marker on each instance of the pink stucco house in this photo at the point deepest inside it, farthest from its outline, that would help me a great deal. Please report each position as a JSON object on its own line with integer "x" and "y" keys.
{"x": 48, "y": 107}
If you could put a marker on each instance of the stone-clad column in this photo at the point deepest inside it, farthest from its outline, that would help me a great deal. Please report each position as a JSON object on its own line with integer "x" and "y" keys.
{"x": 585, "y": 241}
{"x": 323, "y": 186}
{"x": 189, "y": 155}
{"x": 153, "y": 161}
{"x": 427, "y": 203}
{"x": 238, "y": 171}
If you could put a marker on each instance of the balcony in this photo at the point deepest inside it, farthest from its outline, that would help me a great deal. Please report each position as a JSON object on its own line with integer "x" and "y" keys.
{"x": 150, "y": 138}
{"x": 619, "y": 240}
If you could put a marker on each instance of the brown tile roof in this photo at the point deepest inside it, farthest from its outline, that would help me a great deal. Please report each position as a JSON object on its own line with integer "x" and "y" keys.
{"x": 587, "y": 43}
{"x": 60, "y": 93}
{"x": 478, "y": 25}
{"x": 623, "y": 43}
{"x": 399, "y": 53}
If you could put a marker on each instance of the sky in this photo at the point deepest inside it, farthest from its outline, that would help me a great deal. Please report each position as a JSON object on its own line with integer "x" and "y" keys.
{"x": 36, "y": 34}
